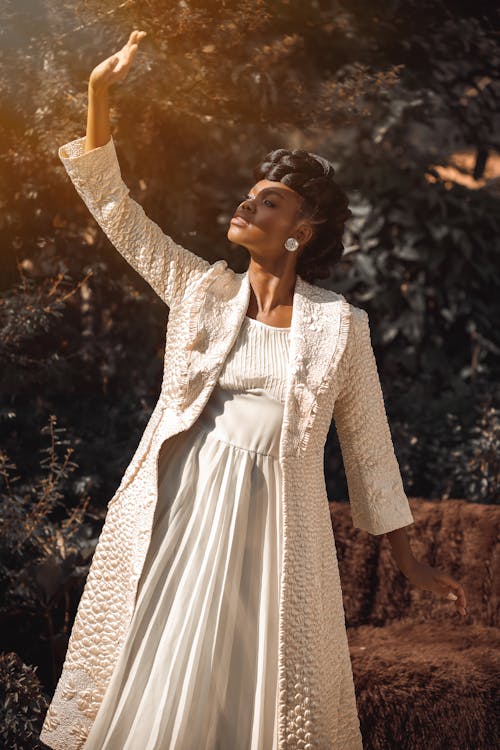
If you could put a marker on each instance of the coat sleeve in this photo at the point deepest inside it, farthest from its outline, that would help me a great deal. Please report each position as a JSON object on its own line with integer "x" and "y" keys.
{"x": 377, "y": 499}
{"x": 170, "y": 269}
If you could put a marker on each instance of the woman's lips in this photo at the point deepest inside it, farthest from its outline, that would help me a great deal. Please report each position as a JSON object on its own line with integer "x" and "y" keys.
{"x": 239, "y": 221}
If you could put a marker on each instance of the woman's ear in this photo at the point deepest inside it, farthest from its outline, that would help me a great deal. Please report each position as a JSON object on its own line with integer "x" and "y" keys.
{"x": 304, "y": 233}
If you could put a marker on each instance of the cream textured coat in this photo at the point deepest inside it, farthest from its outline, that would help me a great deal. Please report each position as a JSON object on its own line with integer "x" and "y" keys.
{"x": 333, "y": 374}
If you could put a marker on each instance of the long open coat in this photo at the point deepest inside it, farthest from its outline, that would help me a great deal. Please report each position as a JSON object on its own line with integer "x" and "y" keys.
{"x": 332, "y": 375}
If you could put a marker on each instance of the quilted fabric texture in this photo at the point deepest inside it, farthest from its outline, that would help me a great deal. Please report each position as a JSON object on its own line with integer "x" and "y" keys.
{"x": 377, "y": 498}
{"x": 332, "y": 375}
{"x": 169, "y": 268}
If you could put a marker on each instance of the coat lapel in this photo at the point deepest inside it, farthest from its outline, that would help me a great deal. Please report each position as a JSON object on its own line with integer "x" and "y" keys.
{"x": 317, "y": 318}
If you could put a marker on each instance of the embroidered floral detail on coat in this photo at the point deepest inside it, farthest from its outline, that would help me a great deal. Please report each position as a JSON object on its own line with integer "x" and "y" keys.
{"x": 79, "y": 731}
{"x": 51, "y": 718}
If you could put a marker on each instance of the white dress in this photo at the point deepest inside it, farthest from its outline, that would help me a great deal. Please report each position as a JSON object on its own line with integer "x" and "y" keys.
{"x": 199, "y": 666}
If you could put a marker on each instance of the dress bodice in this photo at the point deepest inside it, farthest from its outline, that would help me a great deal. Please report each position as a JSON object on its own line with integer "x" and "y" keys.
{"x": 259, "y": 359}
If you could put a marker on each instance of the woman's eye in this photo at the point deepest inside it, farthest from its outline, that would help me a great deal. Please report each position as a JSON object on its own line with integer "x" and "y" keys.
{"x": 266, "y": 200}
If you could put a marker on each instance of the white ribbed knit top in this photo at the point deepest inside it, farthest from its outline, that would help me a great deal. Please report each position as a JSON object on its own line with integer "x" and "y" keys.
{"x": 258, "y": 359}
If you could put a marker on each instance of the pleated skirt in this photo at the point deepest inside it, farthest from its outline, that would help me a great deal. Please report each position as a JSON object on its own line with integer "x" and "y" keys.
{"x": 198, "y": 669}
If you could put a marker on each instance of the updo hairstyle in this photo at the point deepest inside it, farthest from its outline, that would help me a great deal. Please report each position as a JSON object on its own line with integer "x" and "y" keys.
{"x": 325, "y": 204}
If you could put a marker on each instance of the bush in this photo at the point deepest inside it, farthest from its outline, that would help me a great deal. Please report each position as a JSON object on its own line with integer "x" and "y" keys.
{"x": 23, "y": 704}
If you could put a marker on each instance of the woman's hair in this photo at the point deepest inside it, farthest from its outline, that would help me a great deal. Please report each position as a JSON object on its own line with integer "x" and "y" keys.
{"x": 325, "y": 204}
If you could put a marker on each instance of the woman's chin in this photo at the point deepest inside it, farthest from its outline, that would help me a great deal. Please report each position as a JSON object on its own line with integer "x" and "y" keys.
{"x": 236, "y": 234}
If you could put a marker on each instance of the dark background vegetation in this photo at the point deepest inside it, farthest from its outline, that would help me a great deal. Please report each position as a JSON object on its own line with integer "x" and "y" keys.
{"x": 402, "y": 96}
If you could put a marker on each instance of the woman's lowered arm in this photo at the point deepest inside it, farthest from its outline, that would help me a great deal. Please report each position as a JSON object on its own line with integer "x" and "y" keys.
{"x": 92, "y": 164}
{"x": 376, "y": 494}
{"x": 423, "y": 575}
{"x": 377, "y": 498}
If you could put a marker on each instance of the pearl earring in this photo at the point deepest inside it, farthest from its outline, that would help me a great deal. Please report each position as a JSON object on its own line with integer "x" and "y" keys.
{"x": 291, "y": 244}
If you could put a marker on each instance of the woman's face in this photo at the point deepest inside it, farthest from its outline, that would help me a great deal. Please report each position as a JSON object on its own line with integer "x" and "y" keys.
{"x": 270, "y": 217}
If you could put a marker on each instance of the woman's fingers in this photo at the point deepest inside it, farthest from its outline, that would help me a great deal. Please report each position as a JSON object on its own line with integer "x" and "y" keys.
{"x": 136, "y": 36}
{"x": 129, "y": 51}
{"x": 116, "y": 67}
{"x": 133, "y": 41}
{"x": 432, "y": 579}
{"x": 451, "y": 590}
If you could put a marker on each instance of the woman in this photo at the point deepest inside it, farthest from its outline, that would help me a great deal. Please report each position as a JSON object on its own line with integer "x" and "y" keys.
{"x": 212, "y": 614}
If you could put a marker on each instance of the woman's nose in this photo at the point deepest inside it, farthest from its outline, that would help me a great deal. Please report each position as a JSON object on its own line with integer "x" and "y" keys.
{"x": 248, "y": 203}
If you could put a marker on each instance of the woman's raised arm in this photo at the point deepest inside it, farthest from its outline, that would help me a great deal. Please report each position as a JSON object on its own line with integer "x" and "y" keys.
{"x": 92, "y": 164}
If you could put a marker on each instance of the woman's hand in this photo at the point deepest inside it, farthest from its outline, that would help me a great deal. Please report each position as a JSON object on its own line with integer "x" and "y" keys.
{"x": 431, "y": 579}
{"x": 116, "y": 67}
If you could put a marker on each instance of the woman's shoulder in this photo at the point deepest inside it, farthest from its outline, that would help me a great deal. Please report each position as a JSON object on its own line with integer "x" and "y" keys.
{"x": 358, "y": 315}
{"x": 330, "y": 294}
